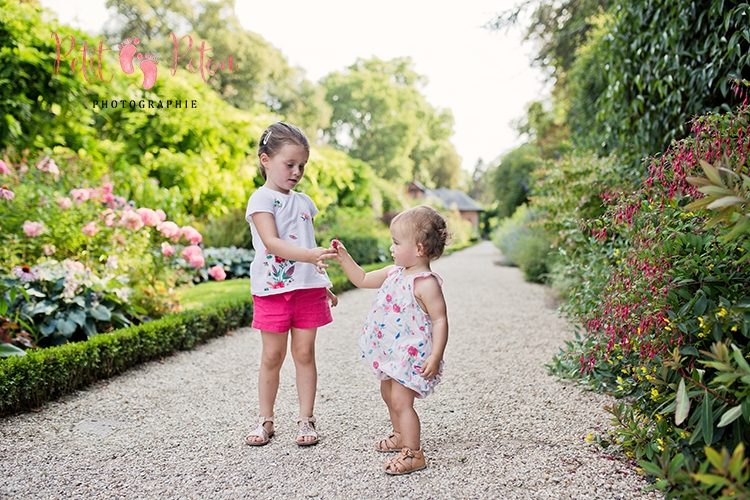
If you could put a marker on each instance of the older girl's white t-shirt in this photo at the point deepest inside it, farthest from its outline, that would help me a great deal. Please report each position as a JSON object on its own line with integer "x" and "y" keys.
{"x": 293, "y": 213}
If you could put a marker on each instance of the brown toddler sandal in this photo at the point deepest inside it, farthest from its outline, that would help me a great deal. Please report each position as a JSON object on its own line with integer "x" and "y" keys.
{"x": 399, "y": 465}
{"x": 389, "y": 444}
{"x": 307, "y": 429}
{"x": 261, "y": 432}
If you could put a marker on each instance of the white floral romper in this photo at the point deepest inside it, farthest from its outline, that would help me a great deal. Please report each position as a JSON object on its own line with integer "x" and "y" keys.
{"x": 397, "y": 336}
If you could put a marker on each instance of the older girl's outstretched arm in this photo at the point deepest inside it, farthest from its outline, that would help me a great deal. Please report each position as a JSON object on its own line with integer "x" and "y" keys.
{"x": 266, "y": 226}
{"x": 429, "y": 294}
{"x": 357, "y": 275}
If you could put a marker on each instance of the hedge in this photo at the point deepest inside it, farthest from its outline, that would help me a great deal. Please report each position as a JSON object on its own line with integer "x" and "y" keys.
{"x": 45, "y": 374}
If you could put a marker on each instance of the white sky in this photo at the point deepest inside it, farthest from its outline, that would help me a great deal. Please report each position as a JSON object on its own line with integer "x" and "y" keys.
{"x": 483, "y": 77}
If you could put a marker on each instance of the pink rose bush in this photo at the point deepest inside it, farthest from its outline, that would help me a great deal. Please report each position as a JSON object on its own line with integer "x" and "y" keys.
{"x": 50, "y": 212}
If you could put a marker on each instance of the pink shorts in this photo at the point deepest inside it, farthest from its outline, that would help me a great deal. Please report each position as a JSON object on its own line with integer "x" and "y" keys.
{"x": 306, "y": 308}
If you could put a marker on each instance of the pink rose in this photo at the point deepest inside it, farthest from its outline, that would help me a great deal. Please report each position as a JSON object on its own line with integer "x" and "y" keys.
{"x": 80, "y": 195}
{"x": 49, "y": 249}
{"x": 33, "y": 229}
{"x": 64, "y": 203}
{"x": 191, "y": 234}
{"x": 196, "y": 261}
{"x": 167, "y": 250}
{"x": 148, "y": 216}
{"x": 4, "y": 168}
{"x": 375, "y": 364}
{"x": 169, "y": 230}
{"x": 106, "y": 188}
{"x": 396, "y": 308}
{"x": 412, "y": 351}
{"x": 131, "y": 220}
{"x": 217, "y": 273}
{"x": 388, "y": 298}
{"x": 162, "y": 216}
{"x": 191, "y": 250}
{"x": 90, "y": 229}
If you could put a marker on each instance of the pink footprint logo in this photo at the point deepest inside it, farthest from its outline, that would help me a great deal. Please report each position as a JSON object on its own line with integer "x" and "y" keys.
{"x": 148, "y": 66}
{"x": 127, "y": 52}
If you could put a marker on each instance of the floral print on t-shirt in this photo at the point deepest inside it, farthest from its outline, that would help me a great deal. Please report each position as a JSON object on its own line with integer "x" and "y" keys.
{"x": 279, "y": 271}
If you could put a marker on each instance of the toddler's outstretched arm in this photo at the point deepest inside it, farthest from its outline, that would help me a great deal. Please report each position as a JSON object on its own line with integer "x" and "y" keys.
{"x": 266, "y": 226}
{"x": 356, "y": 274}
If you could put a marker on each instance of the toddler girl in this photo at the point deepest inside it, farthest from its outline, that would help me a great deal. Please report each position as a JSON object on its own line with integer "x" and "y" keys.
{"x": 405, "y": 333}
{"x": 287, "y": 278}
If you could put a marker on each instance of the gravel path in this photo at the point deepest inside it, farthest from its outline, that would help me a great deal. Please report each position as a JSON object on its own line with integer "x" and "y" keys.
{"x": 497, "y": 426}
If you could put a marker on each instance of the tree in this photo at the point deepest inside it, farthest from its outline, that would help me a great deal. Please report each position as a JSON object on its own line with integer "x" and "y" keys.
{"x": 380, "y": 117}
{"x": 259, "y": 77}
{"x": 559, "y": 28}
{"x": 510, "y": 180}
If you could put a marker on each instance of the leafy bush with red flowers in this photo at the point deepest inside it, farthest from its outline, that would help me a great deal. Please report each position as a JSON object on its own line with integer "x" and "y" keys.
{"x": 666, "y": 321}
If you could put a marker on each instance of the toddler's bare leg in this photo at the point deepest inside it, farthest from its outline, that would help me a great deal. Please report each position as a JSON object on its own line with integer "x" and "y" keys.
{"x": 402, "y": 402}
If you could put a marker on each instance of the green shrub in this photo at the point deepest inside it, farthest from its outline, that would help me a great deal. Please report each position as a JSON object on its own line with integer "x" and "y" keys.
{"x": 667, "y": 323}
{"x": 43, "y": 374}
{"x": 525, "y": 244}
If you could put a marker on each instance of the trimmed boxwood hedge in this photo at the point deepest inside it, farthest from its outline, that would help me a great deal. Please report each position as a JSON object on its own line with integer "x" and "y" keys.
{"x": 44, "y": 374}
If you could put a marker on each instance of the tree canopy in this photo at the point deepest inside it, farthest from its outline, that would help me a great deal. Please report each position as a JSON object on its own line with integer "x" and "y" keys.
{"x": 380, "y": 117}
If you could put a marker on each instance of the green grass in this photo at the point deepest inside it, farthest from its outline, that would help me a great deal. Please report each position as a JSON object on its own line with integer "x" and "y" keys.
{"x": 213, "y": 292}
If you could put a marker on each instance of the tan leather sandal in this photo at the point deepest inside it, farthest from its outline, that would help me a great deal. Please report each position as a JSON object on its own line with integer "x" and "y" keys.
{"x": 261, "y": 432}
{"x": 398, "y": 466}
{"x": 389, "y": 444}
{"x": 307, "y": 429}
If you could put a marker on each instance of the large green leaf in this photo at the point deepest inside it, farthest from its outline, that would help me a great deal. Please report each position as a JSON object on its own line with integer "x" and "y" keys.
{"x": 730, "y": 416}
{"x": 10, "y": 350}
{"x": 100, "y": 312}
{"x": 683, "y": 404}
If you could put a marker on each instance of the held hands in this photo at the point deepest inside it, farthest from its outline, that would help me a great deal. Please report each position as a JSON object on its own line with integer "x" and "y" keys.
{"x": 430, "y": 367}
{"x": 319, "y": 256}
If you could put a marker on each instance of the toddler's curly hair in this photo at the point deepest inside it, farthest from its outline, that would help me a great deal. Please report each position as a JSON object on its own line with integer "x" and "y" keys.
{"x": 428, "y": 227}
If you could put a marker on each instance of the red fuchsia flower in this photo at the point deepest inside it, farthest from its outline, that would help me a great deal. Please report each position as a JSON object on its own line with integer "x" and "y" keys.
{"x": 167, "y": 250}
{"x": 412, "y": 351}
{"x": 278, "y": 259}
{"x": 33, "y": 229}
{"x": 149, "y": 216}
{"x": 4, "y": 168}
{"x": 80, "y": 195}
{"x": 49, "y": 249}
{"x": 131, "y": 220}
{"x": 64, "y": 203}
{"x": 169, "y": 230}
{"x": 191, "y": 234}
{"x": 280, "y": 284}
{"x": 160, "y": 213}
{"x": 24, "y": 273}
{"x": 217, "y": 273}
{"x": 6, "y": 193}
{"x": 90, "y": 229}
